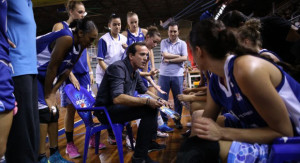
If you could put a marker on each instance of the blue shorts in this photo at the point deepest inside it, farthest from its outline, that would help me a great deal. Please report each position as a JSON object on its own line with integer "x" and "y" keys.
{"x": 84, "y": 81}
{"x": 241, "y": 152}
{"x": 7, "y": 98}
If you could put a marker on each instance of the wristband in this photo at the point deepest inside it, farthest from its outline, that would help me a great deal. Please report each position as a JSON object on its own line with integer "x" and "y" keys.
{"x": 91, "y": 73}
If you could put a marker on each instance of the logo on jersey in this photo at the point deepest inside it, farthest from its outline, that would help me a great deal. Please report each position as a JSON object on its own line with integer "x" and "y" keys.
{"x": 238, "y": 96}
{"x": 69, "y": 62}
{"x": 245, "y": 114}
{"x": 231, "y": 84}
{"x": 132, "y": 40}
{"x": 232, "y": 113}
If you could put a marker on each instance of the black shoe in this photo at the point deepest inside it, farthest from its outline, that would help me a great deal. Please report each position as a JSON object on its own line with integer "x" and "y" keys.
{"x": 142, "y": 160}
{"x": 156, "y": 147}
{"x": 187, "y": 133}
{"x": 178, "y": 125}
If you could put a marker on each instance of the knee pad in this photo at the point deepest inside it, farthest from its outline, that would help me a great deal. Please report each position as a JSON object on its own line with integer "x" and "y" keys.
{"x": 47, "y": 117}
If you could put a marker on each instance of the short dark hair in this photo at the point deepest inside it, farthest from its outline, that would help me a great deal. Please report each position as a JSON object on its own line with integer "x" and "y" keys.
{"x": 113, "y": 16}
{"x": 132, "y": 48}
{"x": 173, "y": 23}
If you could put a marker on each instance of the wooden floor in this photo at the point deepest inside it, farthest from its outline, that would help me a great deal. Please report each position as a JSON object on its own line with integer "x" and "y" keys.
{"x": 110, "y": 154}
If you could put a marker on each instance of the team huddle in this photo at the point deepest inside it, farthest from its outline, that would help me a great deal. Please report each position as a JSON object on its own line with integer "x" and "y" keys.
{"x": 247, "y": 95}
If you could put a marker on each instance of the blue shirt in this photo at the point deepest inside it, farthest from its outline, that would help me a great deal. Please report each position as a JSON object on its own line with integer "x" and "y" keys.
{"x": 177, "y": 48}
{"x": 4, "y": 46}
{"x": 22, "y": 32}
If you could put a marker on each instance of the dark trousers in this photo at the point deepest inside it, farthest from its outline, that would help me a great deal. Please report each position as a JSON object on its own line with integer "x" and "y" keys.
{"x": 147, "y": 127}
{"x": 24, "y": 138}
{"x": 196, "y": 150}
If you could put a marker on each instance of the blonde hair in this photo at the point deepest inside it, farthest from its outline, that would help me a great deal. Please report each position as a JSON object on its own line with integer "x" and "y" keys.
{"x": 251, "y": 30}
{"x": 71, "y": 4}
{"x": 130, "y": 14}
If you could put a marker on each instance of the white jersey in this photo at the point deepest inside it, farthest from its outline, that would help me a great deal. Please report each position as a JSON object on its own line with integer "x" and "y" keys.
{"x": 110, "y": 51}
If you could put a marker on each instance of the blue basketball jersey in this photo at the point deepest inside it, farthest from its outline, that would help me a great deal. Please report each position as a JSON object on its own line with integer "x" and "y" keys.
{"x": 81, "y": 67}
{"x": 43, "y": 44}
{"x": 7, "y": 98}
{"x": 65, "y": 24}
{"x": 266, "y": 50}
{"x": 132, "y": 38}
{"x": 139, "y": 38}
{"x": 4, "y": 46}
{"x": 236, "y": 103}
{"x": 44, "y": 51}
